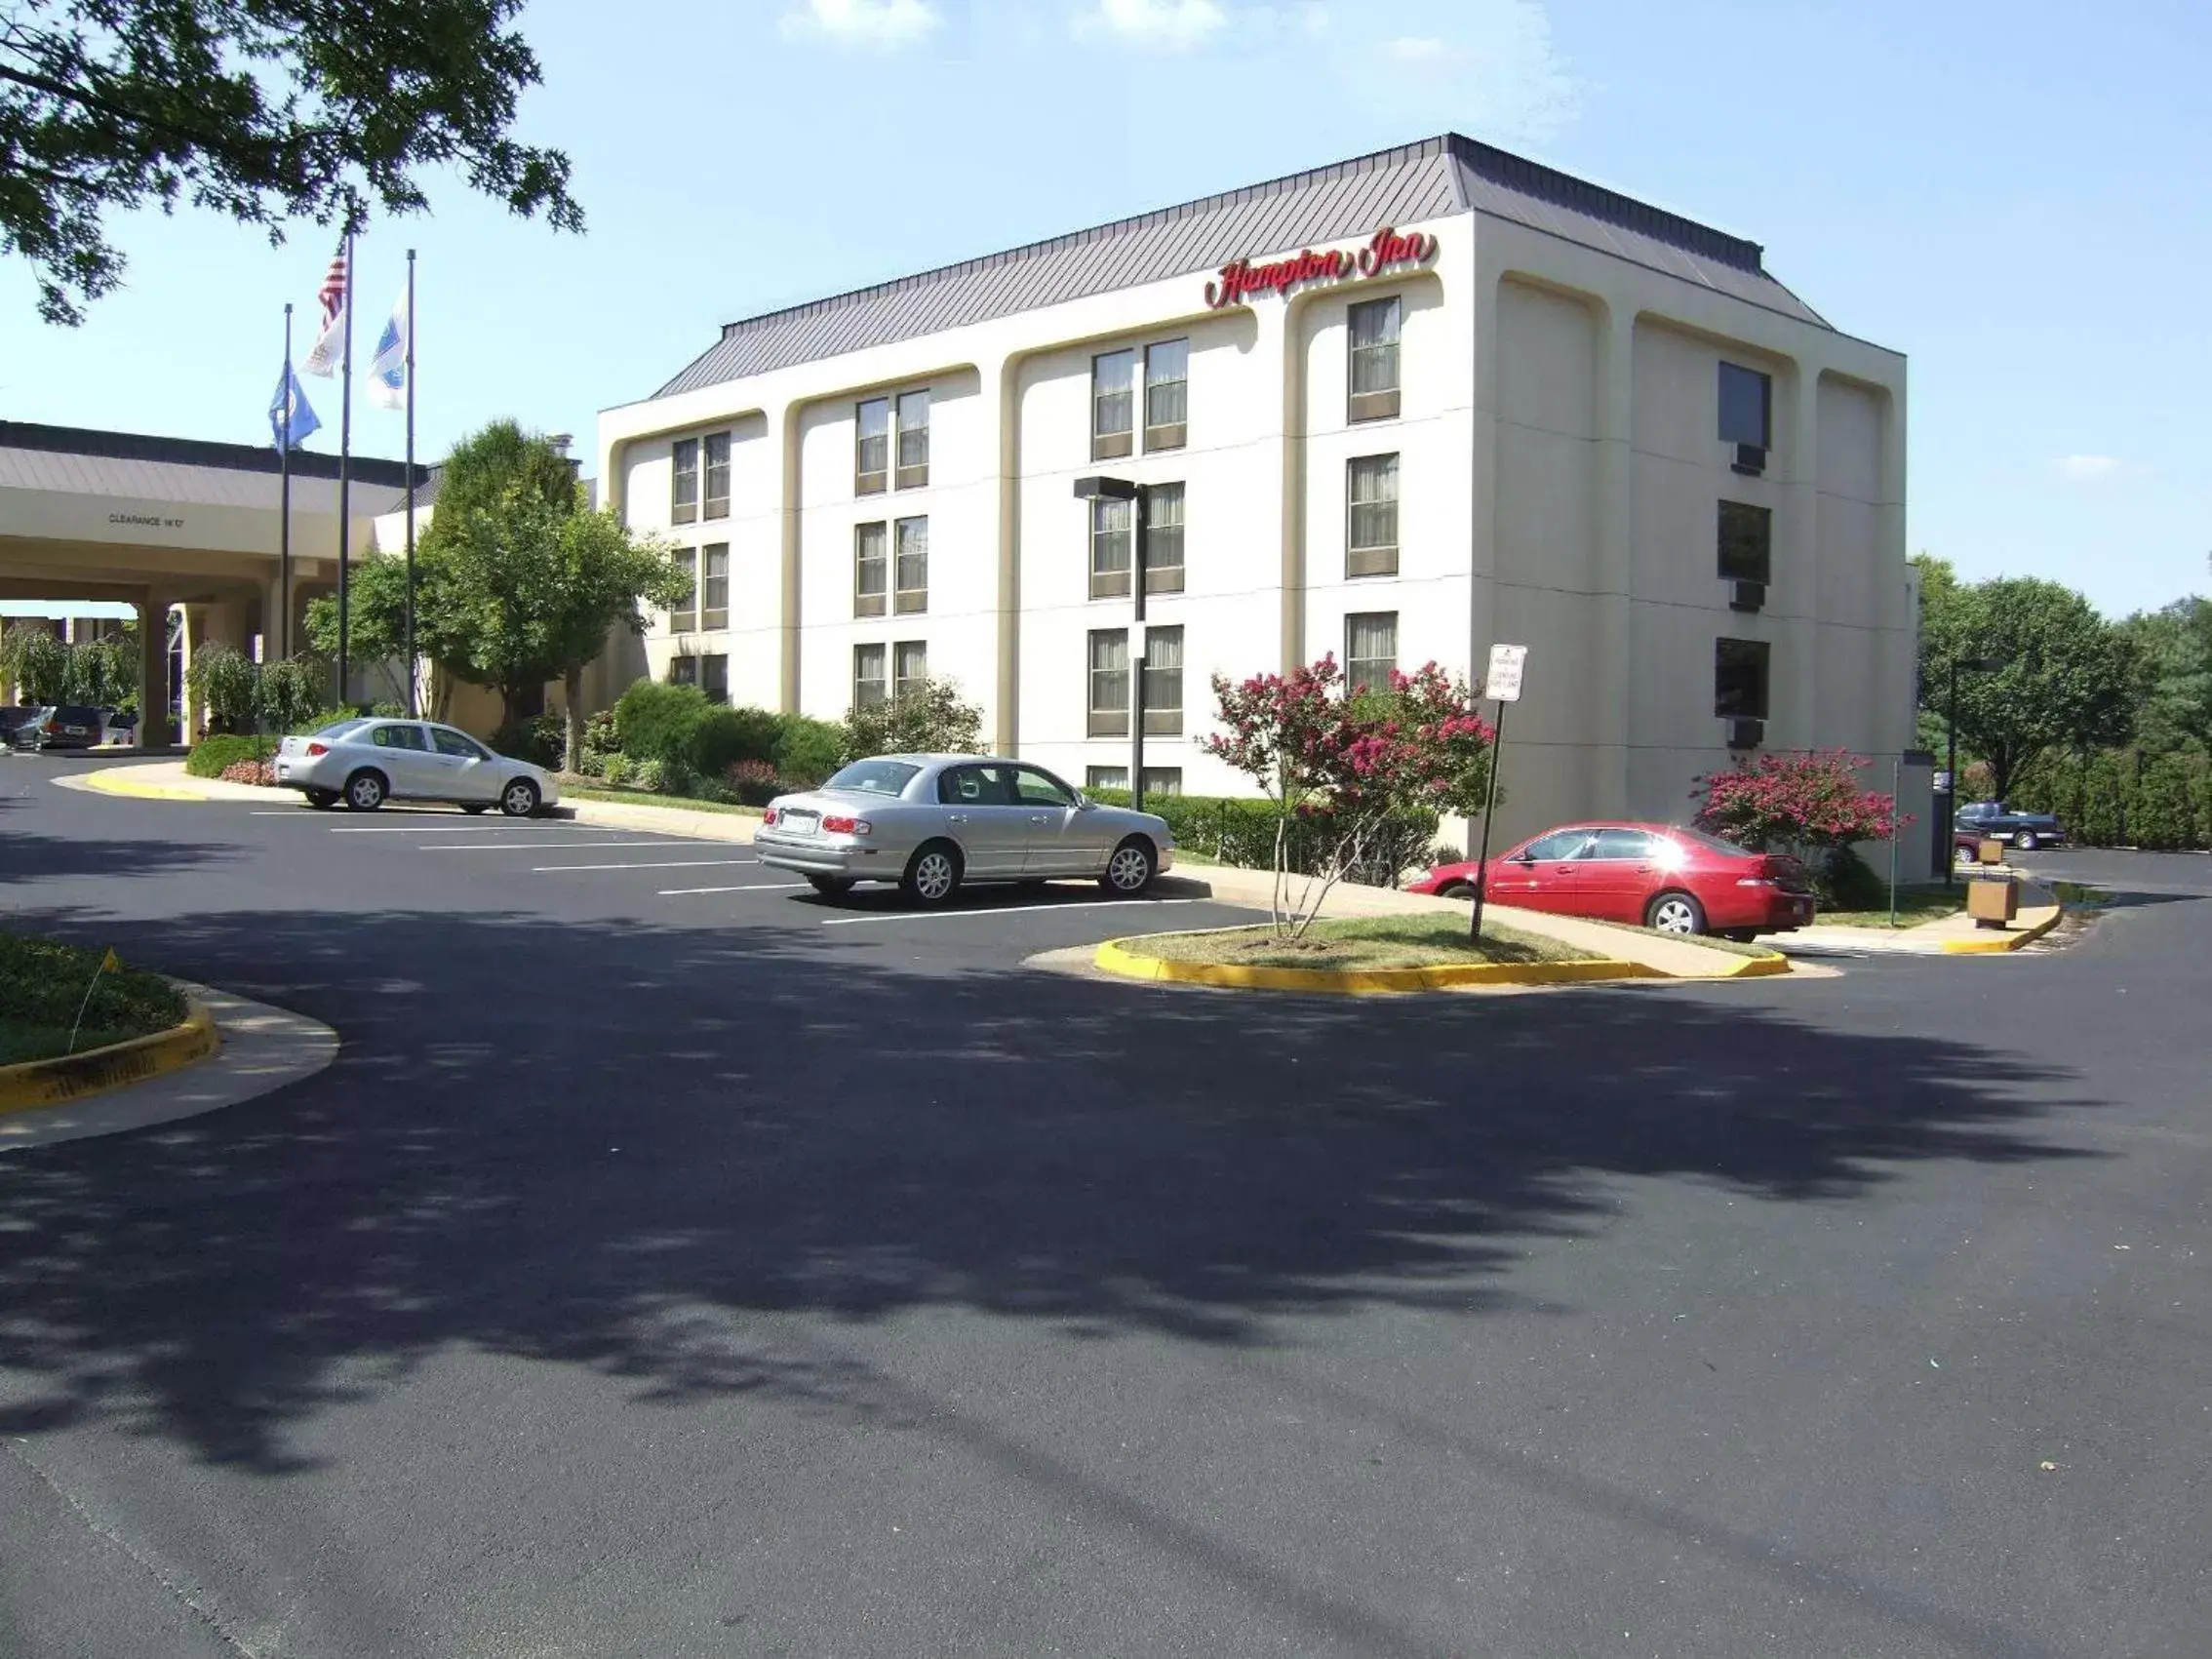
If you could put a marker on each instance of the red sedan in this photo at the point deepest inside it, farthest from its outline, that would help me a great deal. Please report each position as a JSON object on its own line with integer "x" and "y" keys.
{"x": 1678, "y": 881}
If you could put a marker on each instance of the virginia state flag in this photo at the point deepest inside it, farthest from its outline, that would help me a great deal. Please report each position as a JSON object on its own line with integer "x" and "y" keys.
{"x": 290, "y": 420}
{"x": 387, "y": 369}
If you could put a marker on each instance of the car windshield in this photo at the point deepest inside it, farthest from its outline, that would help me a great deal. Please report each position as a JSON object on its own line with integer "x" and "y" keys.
{"x": 339, "y": 727}
{"x": 1713, "y": 843}
{"x": 875, "y": 777}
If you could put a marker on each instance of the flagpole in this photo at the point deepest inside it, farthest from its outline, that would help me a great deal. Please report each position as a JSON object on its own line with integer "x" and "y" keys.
{"x": 344, "y": 468}
{"x": 410, "y": 661}
{"x": 284, "y": 500}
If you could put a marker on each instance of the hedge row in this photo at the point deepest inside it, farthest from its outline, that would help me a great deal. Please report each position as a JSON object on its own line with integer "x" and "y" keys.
{"x": 1238, "y": 830}
{"x": 2124, "y": 798}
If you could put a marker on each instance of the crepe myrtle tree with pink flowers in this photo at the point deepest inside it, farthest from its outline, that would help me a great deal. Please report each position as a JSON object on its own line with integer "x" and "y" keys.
{"x": 1811, "y": 804}
{"x": 1348, "y": 769}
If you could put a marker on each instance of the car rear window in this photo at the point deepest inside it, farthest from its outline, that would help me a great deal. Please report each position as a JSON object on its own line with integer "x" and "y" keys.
{"x": 339, "y": 727}
{"x": 1713, "y": 843}
{"x": 875, "y": 777}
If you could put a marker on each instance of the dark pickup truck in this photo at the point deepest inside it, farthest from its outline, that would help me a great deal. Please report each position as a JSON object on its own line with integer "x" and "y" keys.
{"x": 2027, "y": 831}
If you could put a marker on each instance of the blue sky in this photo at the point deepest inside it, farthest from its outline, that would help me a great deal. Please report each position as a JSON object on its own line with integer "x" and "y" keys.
{"x": 2013, "y": 195}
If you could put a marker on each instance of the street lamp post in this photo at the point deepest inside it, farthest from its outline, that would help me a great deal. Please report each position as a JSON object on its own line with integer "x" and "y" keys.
{"x": 1123, "y": 489}
{"x": 1950, "y": 814}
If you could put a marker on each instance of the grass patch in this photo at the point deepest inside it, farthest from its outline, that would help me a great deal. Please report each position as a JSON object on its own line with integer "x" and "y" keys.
{"x": 1363, "y": 942}
{"x": 43, "y": 980}
{"x": 1915, "y": 905}
{"x": 2074, "y": 896}
{"x": 641, "y": 798}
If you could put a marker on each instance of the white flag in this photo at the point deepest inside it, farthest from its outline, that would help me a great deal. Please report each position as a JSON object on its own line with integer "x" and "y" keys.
{"x": 387, "y": 369}
{"x": 330, "y": 345}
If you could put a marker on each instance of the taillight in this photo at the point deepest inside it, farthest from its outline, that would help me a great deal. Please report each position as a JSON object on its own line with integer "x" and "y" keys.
{"x": 769, "y": 816}
{"x": 52, "y": 730}
{"x": 847, "y": 826}
{"x": 318, "y": 748}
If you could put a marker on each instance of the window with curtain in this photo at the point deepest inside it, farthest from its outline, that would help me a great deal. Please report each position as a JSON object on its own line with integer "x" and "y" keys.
{"x": 867, "y": 676}
{"x": 1110, "y": 533}
{"x": 683, "y": 483}
{"x": 1747, "y": 542}
{"x": 684, "y": 617}
{"x": 1113, "y": 404}
{"x": 1166, "y": 394}
{"x": 913, "y": 439}
{"x": 1373, "y": 367}
{"x": 716, "y": 476}
{"x": 714, "y": 678}
{"x": 871, "y": 447}
{"x": 714, "y": 586}
{"x": 1370, "y": 650}
{"x": 1163, "y": 682}
{"x": 871, "y": 569}
{"x": 910, "y": 666}
{"x": 1109, "y": 777}
{"x": 1109, "y": 683}
{"x": 1370, "y": 539}
{"x": 913, "y": 572}
{"x": 1163, "y": 538}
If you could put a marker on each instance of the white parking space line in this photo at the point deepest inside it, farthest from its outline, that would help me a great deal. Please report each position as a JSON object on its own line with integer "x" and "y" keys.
{"x": 1005, "y": 910}
{"x": 565, "y": 846}
{"x": 677, "y": 865}
{"x": 749, "y": 887}
{"x": 455, "y": 826}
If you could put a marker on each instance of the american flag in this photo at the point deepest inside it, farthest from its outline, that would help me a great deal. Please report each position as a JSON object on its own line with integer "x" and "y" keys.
{"x": 332, "y": 294}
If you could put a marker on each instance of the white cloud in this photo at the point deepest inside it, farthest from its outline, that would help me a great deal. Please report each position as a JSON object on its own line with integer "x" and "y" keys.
{"x": 1177, "y": 26}
{"x": 1496, "y": 76}
{"x": 1416, "y": 48}
{"x": 883, "y": 25}
{"x": 2089, "y": 469}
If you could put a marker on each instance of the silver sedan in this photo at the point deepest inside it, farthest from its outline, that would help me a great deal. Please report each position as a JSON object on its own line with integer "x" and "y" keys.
{"x": 930, "y": 822}
{"x": 368, "y": 762}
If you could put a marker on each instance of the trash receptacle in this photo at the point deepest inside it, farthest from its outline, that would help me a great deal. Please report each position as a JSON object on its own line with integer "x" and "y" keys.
{"x": 1992, "y": 900}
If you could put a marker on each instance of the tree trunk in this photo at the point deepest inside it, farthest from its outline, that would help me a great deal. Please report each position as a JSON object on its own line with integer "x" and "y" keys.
{"x": 572, "y": 697}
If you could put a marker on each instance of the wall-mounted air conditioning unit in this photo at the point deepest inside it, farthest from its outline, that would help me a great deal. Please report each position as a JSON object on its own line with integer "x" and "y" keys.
{"x": 1746, "y": 596}
{"x": 1750, "y": 459}
{"x": 1745, "y": 734}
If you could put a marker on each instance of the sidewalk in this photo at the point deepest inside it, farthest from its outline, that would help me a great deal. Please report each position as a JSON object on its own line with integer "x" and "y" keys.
{"x": 1946, "y": 936}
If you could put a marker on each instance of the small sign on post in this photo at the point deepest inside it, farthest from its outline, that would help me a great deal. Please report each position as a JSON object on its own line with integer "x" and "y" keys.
{"x": 1502, "y": 686}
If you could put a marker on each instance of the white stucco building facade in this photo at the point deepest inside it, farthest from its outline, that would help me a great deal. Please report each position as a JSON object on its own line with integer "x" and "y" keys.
{"x": 1394, "y": 409}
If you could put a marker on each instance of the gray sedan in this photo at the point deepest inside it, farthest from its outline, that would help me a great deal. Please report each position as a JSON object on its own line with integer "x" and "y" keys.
{"x": 366, "y": 761}
{"x": 930, "y": 822}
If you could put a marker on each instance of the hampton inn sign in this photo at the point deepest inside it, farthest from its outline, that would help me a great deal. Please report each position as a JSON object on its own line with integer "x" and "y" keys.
{"x": 1386, "y": 250}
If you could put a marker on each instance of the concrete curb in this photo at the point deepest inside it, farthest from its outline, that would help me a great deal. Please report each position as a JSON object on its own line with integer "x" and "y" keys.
{"x": 58, "y": 1082}
{"x": 117, "y": 780}
{"x": 1998, "y": 943}
{"x": 1126, "y": 959}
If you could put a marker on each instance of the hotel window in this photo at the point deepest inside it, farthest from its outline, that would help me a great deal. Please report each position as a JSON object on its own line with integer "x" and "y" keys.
{"x": 1747, "y": 542}
{"x": 684, "y": 617}
{"x": 1110, "y": 534}
{"x": 1370, "y": 650}
{"x": 714, "y": 678}
{"x": 871, "y": 447}
{"x": 912, "y": 536}
{"x": 1370, "y": 539}
{"x": 1163, "y": 682}
{"x": 867, "y": 675}
{"x": 871, "y": 570}
{"x": 913, "y": 440}
{"x": 1373, "y": 367}
{"x": 1109, "y": 683}
{"x": 1163, "y": 538}
{"x": 683, "y": 483}
{"x": 714, "y": 587}
{"x": 910, "y": 666}
{"x": 1739, "y": 678}
{"x": 1747, "y": 399}
{"x": 1158, "y": 780}
{"x": 1113, "y": 404}
{"x": 716, "y": 476}
{"x": 1166, "y": 394}
{"x": 683, "y": 671}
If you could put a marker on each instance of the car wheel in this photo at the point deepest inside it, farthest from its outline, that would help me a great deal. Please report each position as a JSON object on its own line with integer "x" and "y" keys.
{"x": 832, "y": 887}
{"x": 1675, "y": 913}
{"x": 2025, "y": 840}
{"x": 1457, "y": 890}
{"x": 932, "y": 874}
{"x": 322, "y": 799}
{"x": 519, "y": 799}
{"x": 365, "y": 792}
{"x": 1131, "y": 868}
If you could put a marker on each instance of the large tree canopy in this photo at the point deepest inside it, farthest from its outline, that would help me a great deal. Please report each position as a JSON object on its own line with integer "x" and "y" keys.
{"x": 267, "y": 110}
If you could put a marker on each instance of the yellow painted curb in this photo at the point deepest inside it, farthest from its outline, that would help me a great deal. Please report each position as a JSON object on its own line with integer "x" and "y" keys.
{"x": 2001, "y": 942}
{"x": 73, "y": 1077}
{"x": 1114, "y": 958}
{"x": 118, "y": 781}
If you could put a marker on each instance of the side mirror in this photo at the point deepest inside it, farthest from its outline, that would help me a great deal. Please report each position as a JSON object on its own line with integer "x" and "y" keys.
{"x": 1083, "y": 803}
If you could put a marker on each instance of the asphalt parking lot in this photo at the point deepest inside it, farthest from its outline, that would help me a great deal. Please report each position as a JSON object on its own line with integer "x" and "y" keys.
{"x": 669, "y": 1271}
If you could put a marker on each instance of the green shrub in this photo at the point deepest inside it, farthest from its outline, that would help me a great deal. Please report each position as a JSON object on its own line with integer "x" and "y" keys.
{"x": 291, "y": 690}
{"x": 931, "y": 717}
{"x": 808, "y": 750}
{"x": 648, "y": 774}
{"x": 539, "y": 738}
{"x": 1235, "y": 829}
{"x": 2163, "y": 817}
{"x": 616, "y": 768}
{"x": 211, "y": 755}
{"x": 653, "y": 721}
{"x": 221, "y": 680}
{"x": 2104, "y": 803}
{"x": 722, "y": 737}
{"x": 751, "y": 783}
{"x": 1845, "y": 880}
{"x": 389, "y": 709}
